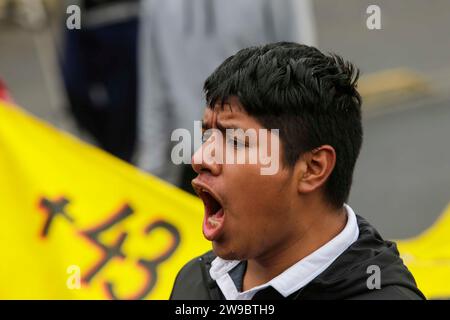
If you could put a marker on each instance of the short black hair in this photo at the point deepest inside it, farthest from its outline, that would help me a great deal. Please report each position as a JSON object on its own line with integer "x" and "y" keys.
{"x": 311, "y": 97}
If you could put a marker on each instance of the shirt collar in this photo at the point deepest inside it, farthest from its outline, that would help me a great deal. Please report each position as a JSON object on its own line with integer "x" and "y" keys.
{"x": 296, "y": 276}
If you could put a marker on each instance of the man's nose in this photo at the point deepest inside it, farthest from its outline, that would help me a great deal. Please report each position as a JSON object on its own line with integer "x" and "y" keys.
{"x": 208, "y": 158}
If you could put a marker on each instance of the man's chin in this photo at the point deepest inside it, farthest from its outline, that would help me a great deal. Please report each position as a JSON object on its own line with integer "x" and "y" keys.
{"x": 223, "y": 252}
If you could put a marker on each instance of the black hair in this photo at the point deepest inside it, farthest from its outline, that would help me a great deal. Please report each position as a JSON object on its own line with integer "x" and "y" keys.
{"x": 309, "y": 96}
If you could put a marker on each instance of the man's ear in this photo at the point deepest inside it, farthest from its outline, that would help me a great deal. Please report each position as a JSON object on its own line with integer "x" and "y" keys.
{"x": 314, "y": 168}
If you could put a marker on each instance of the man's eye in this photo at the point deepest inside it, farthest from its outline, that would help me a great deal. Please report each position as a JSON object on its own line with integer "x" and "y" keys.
{"x": 235, "y": 143}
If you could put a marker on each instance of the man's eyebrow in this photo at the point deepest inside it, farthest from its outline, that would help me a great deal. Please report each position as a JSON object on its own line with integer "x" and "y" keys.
{"x": 220, "y": 126}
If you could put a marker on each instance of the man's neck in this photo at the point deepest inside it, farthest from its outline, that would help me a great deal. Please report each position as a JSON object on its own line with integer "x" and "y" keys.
{"x": 310, "y": 237}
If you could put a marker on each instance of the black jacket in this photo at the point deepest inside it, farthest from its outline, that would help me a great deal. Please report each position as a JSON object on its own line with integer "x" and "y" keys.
{"x": 345, "y": 278}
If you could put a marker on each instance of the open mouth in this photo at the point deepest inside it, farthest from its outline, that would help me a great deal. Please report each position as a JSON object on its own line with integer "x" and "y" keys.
{"x": 214, "y": 214}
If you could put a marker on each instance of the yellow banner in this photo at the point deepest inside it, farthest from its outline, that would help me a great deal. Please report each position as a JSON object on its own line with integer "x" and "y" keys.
{"x": 77, "y": 223}
{"x": 428, "y": 258}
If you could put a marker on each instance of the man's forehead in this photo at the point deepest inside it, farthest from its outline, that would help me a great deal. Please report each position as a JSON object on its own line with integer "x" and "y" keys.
{"x": 229, "y": 116}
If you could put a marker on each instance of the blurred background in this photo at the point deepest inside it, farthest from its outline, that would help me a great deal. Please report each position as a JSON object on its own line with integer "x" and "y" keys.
{"x": 134, "y": 71}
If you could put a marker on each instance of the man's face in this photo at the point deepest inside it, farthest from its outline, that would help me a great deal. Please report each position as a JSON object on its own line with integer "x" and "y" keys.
{"x": 247, "y": 214}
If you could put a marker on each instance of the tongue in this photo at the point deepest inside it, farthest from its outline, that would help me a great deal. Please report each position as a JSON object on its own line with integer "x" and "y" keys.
{"x": 212, "y": 225}
{"x": 215, "y": 219}
{"x": 218, "y": 214}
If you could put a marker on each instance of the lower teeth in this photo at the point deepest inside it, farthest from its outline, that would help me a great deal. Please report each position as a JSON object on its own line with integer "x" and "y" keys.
{"x": 213, "y": 222}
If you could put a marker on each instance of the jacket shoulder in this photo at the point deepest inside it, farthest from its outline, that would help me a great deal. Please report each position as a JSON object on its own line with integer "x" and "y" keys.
{"x": 392, "y": 292}
{"x": 191, "y": 282}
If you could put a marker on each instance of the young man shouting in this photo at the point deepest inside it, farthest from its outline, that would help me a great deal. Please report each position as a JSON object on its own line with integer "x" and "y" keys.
{"x": 288, "y": 234}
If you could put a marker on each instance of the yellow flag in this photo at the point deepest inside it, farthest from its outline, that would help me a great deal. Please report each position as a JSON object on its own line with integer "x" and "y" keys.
{"x": 428, "y": 258}
{"x": 77, "y": 223}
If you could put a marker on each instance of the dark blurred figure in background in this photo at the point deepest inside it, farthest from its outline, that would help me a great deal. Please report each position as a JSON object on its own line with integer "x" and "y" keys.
{"x": 100, "y": 73}
{"x": 182, "y": 41}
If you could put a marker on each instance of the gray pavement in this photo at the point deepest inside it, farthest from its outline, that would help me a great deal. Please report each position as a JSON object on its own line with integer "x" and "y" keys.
{"x": 402, "y": 178}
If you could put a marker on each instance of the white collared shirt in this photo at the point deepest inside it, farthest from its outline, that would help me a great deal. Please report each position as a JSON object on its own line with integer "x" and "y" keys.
{"x": 296, "y": 276}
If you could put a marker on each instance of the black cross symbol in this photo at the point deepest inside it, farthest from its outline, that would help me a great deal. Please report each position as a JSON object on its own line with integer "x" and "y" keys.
{"x": 54, "y": 208}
